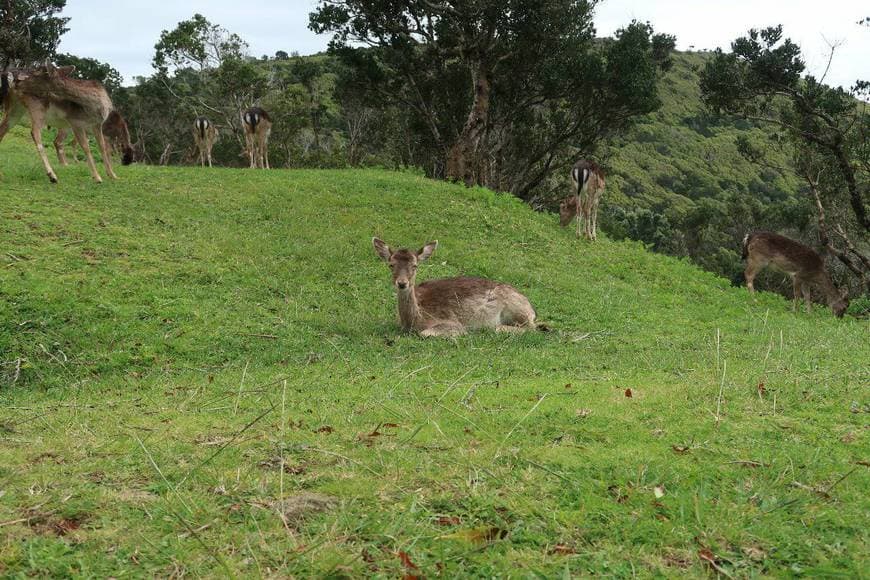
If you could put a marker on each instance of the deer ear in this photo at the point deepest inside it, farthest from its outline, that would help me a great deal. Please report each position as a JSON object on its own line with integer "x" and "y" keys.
{"x": 65, "y": 71}
{"x": 382, "y": 249}
{"x": 427, "y": 251}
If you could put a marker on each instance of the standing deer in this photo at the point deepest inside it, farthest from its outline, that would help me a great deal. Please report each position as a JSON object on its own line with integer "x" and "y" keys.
{"x": 114, "y": 129}
{"x": 587, "y": 180}
{"x": 49, "y": 95}
{"x": 803, "y": 264}
{"x": 258, "y": 125}
{"x": 452, "y": 306}
{"x": 205, "y": 134}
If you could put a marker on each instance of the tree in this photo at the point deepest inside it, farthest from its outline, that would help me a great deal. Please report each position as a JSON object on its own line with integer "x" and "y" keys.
{"x": 466, "y": 69}
{"x": 761, "y": 80}
{"x": 30, "y": 30}
{"x": 197, "y": 42}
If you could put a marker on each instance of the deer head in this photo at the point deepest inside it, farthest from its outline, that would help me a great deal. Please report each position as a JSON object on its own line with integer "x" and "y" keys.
{"x": 567, "y": 210}
{"x": 403, "y": 263}
{"x": 841, "y": 304}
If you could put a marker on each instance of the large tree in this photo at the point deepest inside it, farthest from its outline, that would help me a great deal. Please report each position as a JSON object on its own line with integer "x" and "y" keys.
{"x": 29, "y": 30}
{"x": 823, "y": 129}
{"x": 469, "y": 69}
{"x": 762, "y": 80}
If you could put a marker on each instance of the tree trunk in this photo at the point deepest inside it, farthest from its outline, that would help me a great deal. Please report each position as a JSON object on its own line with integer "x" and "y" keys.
{"x": 463, "y": 159}
{"x": 855, "y": 197}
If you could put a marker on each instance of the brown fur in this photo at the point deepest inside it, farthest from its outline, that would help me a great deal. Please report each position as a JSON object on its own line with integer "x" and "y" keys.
{"x": 114, "y": 129}
{"x": 583, "y": 204}
{"x": 257, "y": 136}
{"x": 205, "y": 134}
{"x": 805, "y": 266}
{"x": 49, "y": 96}
{"x": 451, "y": 306}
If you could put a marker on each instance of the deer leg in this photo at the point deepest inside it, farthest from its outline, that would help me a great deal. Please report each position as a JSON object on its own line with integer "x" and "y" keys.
{"x": 36, "y": 125}
{"x": 805, "y": 290}
{"x": 753, "y": 267}
{"x": 209, "y": 155}
{"x": 445, "y": 328}
{"x": 82, "y": 138}
{"x": 595, "y": 218}
{"x": 4, "y": 127}
{"x": 250, "y": 149}
{"x": 797, "y": 293}
{"x": 106, "y": 152}
{"x": 265, "y": 147}
{"x": 58, "y": 146}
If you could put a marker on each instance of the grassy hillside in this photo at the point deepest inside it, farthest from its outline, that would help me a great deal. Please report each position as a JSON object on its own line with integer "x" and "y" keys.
{"x": 202, "y": 350}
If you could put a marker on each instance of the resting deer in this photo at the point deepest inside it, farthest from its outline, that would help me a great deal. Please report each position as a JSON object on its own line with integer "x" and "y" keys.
{"x": 257, "y": 125}
{"x": 803, "y": 264}
{"x": 452, "y": 306}
{"x": 205, "y": 134}
{"x": 587, "y": 180}
{"x": 50, "y": 96}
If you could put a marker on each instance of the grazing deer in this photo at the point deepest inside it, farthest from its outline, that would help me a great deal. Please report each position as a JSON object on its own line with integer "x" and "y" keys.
{"x": 114, "y": 129}
{"x": 205, "y": 134}
{"x": 50, "y": 96}
{"x": 587, "y": 179}
{"x": 451, "y": 306}
{"x": 258, "y": 125}
{"x": 803, "y": 264}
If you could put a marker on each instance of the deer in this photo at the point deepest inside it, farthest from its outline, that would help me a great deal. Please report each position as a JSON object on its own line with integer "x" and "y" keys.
{"x": 805, "y": 266}
{"x": 49, "y": 95}
{"x": 450, "y": 307}
{"x": 205, "y": 134}
{"x": 587, "y": 181}
{"x": 114, "y": 129}
{"x": 257, "y": 125}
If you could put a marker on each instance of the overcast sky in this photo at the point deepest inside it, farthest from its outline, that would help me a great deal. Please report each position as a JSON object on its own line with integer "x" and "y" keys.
{"x": 123, "y": 32}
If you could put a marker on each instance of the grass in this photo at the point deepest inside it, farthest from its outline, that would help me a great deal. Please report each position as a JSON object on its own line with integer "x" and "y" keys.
{"x": 212, "y": 382}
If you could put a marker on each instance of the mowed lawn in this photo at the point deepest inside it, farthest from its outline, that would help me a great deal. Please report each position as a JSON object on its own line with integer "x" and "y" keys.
{"x": 202, "y": 374}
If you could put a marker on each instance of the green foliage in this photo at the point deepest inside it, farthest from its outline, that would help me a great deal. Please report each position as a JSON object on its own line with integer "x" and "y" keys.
{"x": 196, "y": 42}
{"x": 92, "y": 69}
{"x": 760, "y": 80}
{"x": 30, "y": 30}
{"x": 200, "y": 348}
{"x": 496, "y": 94}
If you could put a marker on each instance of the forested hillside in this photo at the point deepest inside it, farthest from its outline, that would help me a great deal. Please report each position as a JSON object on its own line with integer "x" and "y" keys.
{"x": 678, "y": 183}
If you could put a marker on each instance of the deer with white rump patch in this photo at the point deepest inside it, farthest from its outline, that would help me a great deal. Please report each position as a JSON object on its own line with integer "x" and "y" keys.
{"x": 805, "y": 266}
{"x": 49, "y": 96}
{"x": 452, "y": 306}
{"x": 205, "y": 134}
{"x": 257, "y": 125}
{"x": 587, "y": 180}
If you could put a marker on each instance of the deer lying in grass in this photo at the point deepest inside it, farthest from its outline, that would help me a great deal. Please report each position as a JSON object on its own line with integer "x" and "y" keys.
{"x": 205, "y": 134}
{"x": 49, "y": 96}
{"x": 452, "y": 306}
{"x": 802, "y": 263}
{"x": 587, "y": 180}
{"x": 257, "y": 125}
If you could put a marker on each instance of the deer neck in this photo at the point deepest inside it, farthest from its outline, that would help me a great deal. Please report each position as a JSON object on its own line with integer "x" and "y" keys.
{"x": 409, "y": 310}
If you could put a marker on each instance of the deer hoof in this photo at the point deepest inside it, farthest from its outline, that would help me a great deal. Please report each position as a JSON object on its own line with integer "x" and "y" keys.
{"x": 52, "y": 178}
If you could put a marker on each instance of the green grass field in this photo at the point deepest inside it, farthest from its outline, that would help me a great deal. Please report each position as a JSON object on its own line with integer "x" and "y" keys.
{"x": 203, "y": 375}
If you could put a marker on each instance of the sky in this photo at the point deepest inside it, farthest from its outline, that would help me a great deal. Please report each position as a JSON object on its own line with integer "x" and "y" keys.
{"x": 123, "y": 32}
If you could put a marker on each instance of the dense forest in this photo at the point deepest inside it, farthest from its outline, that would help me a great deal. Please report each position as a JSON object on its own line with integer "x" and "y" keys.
{"x": 690, "y": 167}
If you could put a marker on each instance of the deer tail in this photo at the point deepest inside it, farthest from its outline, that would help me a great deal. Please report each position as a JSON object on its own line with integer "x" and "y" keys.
{"x": 746, "y": 239}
